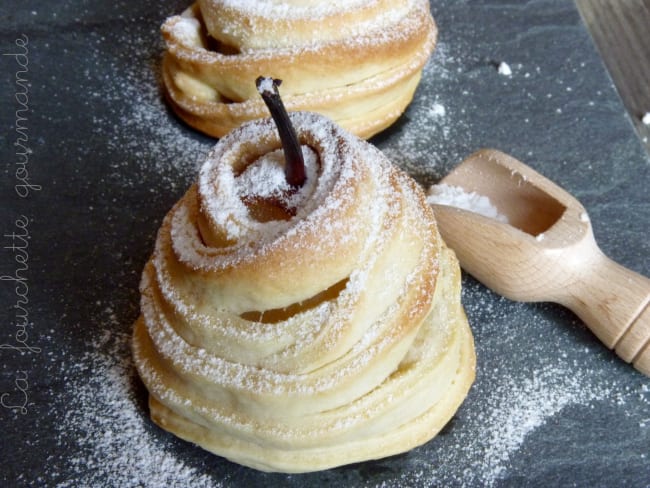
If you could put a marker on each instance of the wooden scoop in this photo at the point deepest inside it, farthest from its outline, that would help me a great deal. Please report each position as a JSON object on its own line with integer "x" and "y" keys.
{"x": 546, "y": 252}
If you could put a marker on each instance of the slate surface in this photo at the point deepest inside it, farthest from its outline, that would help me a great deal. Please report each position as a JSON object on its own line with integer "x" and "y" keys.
{"x": 93, "y": 160}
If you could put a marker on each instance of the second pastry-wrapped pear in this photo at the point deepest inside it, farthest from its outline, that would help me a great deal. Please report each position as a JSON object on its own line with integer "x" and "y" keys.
{"x": 358, "y": 62}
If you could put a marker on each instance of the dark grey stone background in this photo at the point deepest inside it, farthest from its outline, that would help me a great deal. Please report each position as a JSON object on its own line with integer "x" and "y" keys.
{"x": 550, "y": 405}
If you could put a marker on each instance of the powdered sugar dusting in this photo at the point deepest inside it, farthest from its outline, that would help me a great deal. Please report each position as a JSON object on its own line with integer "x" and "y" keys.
{"x": 455, "y": 196}
{"x": 133, "y": 112}
{"x": 188, "y": 31}
{"x": 530, "y": 403}
{"x": 265, "y": 178}
{"x": 433, "y": 121}
{"x": 277, "y": 8}
{"x": 117, "y": 441}
{"x": 273, "y": 24}
{"x": 511, "y": 409}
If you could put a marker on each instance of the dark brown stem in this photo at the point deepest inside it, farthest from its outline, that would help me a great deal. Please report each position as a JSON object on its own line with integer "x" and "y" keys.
{"x": 294, "y": 168}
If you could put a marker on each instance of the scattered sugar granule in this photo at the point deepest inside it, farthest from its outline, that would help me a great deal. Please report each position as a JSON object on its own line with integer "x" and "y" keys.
{"x": 455, "y": 196}
{"x": 438, "y": 110}
{"x": 646, "y": 118}
{"x": 584, "y": 217}
{"x": 504, "y": 69}
{"x": 540, "y": 237}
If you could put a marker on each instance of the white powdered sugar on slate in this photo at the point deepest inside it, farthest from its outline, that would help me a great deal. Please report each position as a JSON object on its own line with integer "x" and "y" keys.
{"x": 504, "y": 69}
{"x": 646, "y": 118}
{"x": 115, "y": 440}
{"x": 432, "y": 121}
{"x": 136, "y": 116}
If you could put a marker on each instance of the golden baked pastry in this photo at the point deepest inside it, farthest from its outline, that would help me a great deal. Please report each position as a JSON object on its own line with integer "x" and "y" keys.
{"x": 355, "y": 61}
{"x": 296, "y": 329}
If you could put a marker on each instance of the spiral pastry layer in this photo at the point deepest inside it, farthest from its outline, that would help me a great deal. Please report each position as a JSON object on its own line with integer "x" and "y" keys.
{"x": 357, "y": 62}
{"x": 297, "y": 330}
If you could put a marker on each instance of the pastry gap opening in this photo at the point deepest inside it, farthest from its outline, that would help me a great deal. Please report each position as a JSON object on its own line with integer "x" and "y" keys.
{"x": 225, "y": 100}
{"x": 209, "y": 42}
{"x": 277, "y": 315}
{"x": 214, "y": 45}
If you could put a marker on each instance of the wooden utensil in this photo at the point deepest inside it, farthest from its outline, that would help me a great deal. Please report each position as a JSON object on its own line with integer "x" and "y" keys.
{"x": 546, "y": 252}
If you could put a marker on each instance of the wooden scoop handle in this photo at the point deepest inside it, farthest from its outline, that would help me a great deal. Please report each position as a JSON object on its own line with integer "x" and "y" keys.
{"x": 614, "y": 302}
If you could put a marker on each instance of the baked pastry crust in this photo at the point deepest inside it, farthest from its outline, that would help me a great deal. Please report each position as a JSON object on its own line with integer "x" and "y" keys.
{"x": 356, "y": 62}
{"x": 329, "y": 335}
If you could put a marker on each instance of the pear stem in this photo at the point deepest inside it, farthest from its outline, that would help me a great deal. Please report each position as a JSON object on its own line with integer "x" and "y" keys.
{"x": 294, "y": 169}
